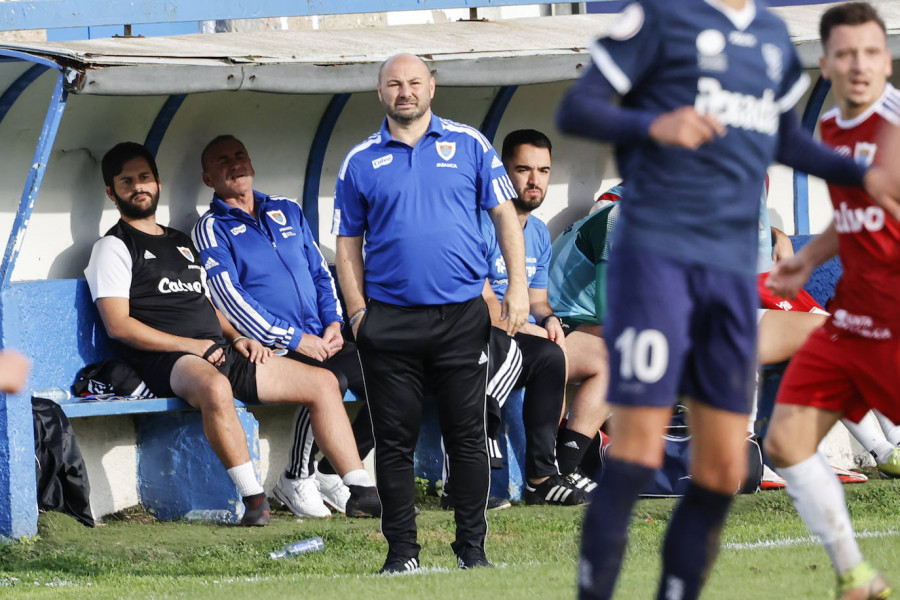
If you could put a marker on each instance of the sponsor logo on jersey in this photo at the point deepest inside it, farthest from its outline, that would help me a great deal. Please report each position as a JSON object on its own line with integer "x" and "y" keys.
{"x": 628, "y": 23}
{"x": 446, "y": 150}
{"x": 186, "y": 252}
{"x": 238, "y": 230}
{"x": 711, "y": 50}
{"x": 277, "y": 216}
{"x": 861, "y": 325}
{"x": 735, "y": 109}
{"x": 210, "y": 263}
{"x": 287, "y": 234}
{"x": 382, "y": 161}
{"x": 446, "y": 165}
{"x": 741, "y": 38}
{"x": 774, "y": 58}
{"x": 864, "y": 153}
{"x": 853, "y": 220}
{"x": 483, "y": 358}
{"x": 785, "y": 305}
{"x": 843, "y": 150}
{"x": 500, "y": 265}
{"x": 168, "y": 286}
{"x": 148, "y": 255}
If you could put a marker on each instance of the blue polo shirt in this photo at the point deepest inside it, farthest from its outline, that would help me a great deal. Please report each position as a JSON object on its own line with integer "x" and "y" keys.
{"x": 420, "y": 210}
{"x": 537, "y": 256}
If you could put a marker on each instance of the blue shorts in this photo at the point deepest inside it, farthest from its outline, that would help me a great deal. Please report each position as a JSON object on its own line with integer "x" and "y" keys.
{"x": 679, "y": 328}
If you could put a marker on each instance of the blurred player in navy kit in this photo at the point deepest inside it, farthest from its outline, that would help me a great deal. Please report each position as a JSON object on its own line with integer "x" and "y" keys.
{"x": 415, "y": 190}
{"x": 707, "y": 89}
{"x": 852, "y": 363}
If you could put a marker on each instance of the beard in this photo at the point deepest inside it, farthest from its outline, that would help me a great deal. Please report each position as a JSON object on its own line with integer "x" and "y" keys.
{"x": 135, "y": 212}
{"x": 528, "y": 205}
{"x": 410, "y": 115}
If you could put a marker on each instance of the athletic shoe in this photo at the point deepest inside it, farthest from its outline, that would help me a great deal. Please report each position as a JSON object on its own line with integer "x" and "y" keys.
{"x": 256, "y": 511}
{"x": 847, "y": 476}
{"x": 862, "y": 583}
{"x": 363, "y": 502}
{"x": 399, "y": 564}
{"x": 493, "y": 502}
{"x": 472, "y": 557}
{"x": 555, "y": 490}
{"x": 334, "y": 492}
{"x": 301, "y": 496}
{"x": 891, "y": 469}
{"x": 771, "y": 480}
{"x": 581, "y": 481}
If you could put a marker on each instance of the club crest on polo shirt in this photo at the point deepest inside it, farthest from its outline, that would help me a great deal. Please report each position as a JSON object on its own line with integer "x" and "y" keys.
{"x": 446, "y": 150}
{"x": 186, "y": 252}
{"x": 277, "y": 216}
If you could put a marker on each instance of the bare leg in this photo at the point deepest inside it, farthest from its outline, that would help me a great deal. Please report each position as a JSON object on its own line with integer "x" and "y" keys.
{"x": 781, "y": 333}
{"x": 281, "y": 380}
{"x": 588, "y": 365}
{"x": 203, "y": 387}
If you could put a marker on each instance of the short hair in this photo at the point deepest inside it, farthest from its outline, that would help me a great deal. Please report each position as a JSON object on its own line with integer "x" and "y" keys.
{"x": 848, "y": 13}
{"x": 524, "y": 136}
{"x": 389, "y": 59}
{"x": 114, "y": 161}
{"x": 213, "y": 142}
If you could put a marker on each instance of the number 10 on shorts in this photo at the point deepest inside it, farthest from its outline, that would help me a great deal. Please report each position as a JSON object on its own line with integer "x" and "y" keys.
{"x": 644, "y": 354}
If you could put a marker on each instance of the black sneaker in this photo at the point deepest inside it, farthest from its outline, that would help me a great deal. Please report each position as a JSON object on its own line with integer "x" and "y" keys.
{"x": 555, "y": 490}
{"x": 256, "y": 511}
{"x": 399, "y": 564}
{"x": 493, "y": 502}
{"x": 581, "y": 481}
{"x": 364, "y": 502}
{"x": 472, "y": 557}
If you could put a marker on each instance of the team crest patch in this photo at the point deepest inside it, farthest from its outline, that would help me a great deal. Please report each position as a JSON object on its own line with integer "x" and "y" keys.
{"x": 277, "y": 216}
{"x": 864, "y": 154}
{"x": 186, "y": 252}
{"x": 446, "y": 150}
{"x": 774, "y": 57}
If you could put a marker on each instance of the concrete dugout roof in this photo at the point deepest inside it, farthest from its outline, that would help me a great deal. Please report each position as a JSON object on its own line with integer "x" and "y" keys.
{"x": 463, "y": 53}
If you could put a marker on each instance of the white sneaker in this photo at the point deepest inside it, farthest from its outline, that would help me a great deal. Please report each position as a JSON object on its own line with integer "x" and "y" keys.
{"x": 301, "y": 496}
{"x": 333, "y": 491}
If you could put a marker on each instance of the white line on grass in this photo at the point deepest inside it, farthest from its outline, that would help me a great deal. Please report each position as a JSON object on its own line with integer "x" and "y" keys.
{"x": 800, "y": 541}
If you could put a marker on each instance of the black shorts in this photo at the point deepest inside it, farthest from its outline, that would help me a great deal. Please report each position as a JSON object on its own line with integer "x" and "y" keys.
{"x": 155, "y": 368}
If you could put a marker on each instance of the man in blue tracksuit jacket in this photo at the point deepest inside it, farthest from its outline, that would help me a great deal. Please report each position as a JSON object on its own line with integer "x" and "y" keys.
{"x": 267, "y": 275}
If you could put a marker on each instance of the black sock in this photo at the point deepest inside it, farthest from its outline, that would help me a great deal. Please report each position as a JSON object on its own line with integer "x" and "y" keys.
{"x": 605, "y": 532}
{"x": 570, "y": 449}
{"x": 692, "y": 542}
{"x": 325, "y": 467}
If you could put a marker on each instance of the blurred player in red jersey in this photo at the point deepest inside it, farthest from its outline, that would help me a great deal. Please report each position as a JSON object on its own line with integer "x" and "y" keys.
{"x": 852, "y": 364}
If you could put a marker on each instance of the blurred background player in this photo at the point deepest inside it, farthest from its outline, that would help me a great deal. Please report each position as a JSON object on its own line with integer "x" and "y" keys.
{"x": 853, "y": 363}
{"x": 707, "y": 91}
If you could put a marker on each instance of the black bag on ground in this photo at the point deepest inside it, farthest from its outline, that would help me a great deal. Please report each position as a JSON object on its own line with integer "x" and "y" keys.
{"x": 62, "y": 481}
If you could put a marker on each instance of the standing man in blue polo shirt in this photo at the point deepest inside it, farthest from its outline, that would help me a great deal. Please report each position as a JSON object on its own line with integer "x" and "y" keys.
{"x": 415, "y": 190}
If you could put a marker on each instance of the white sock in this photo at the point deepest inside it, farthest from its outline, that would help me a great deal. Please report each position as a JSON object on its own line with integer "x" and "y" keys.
{"x": 358, "y": 477}
{"x": 754, "y": 406}
{"x": 819, "y": 499}
{"x": 891, "y": 431}
{"x": 871, "y": 437}
{"x": 244, "y": 477}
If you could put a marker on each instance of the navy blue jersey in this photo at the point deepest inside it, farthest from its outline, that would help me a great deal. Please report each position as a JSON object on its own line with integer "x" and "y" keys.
{"x": 739, "y": 66}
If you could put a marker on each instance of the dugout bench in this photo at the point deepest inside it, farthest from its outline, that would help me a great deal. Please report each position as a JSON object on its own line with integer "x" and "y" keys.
{"x": 58, "y": 326}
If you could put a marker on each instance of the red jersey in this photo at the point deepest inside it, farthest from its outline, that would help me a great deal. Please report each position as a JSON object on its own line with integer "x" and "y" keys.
{"x": 868, "y": 292}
